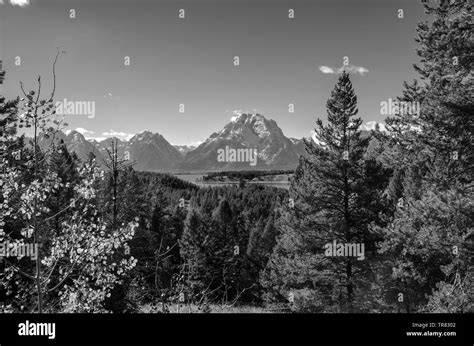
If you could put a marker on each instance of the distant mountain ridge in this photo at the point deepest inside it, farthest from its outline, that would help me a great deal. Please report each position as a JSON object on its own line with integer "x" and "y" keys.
{"x": 148, "y": 151}
{"x": 246, "y": 132}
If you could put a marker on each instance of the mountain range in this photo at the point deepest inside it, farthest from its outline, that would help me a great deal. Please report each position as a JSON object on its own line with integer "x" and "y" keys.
{"x": 244, "y": 134}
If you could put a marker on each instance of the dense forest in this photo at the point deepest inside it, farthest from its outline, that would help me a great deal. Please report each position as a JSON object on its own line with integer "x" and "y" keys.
{"x": 114, "y": 239}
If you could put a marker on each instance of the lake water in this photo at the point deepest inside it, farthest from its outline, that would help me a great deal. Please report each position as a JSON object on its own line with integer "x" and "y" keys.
{"x": 197, "y": 179}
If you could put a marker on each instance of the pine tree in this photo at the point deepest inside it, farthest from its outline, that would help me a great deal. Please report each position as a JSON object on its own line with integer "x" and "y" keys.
{"x": 426, "y": 241}
{"x": 192, "y": 248}
{"x": 337, "y": 192}
{"x": 254, "y": 240}
{"x": 2, "y": 73}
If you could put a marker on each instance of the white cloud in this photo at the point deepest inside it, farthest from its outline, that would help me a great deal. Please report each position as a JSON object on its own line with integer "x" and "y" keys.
{"x": 84, "y": 132}
{"x": 21, "y": 3}
{"x": 192, "y": 144}
{"x": 350, "y": 69}
{"x": 353, "y": 69}
{"x": 196, "y": 144}
{"x": 119, "y": 135}
{"x": 326, "y": 69}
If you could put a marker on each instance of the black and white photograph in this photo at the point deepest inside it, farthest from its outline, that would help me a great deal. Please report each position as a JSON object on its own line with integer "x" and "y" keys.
{"x": 302, "y": 165}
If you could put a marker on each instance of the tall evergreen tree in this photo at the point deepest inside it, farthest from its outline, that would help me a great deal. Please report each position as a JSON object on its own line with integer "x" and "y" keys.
{"x": 192, "y": 248}
{"x": 337, "y": 194}
{"x": 428, "y": 241}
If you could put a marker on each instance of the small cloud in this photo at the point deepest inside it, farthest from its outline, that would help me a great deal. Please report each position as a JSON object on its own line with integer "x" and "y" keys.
{"x": 353, "y": 69}
{"x": 189, "y": 145}
{"x": 21, "y": 3}
{"x": 326, "y": 69}
{"x": 84, "y": 132}
{"x": 196, "y": 144}
{"x": 349, "y": 69}
{"x": 119, "y": 135}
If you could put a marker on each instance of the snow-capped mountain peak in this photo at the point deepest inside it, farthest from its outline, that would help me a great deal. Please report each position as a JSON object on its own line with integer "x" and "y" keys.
{"x": 246, "y": 131}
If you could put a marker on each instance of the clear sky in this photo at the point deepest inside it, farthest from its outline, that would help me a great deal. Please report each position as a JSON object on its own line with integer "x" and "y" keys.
{"x": 191, "y": 60}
